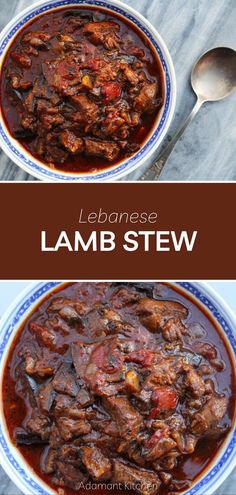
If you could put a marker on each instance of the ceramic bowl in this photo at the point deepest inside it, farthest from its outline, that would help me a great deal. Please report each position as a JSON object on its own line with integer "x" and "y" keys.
{"x": 18, "y": 154}
{"x": 12, "y": 461}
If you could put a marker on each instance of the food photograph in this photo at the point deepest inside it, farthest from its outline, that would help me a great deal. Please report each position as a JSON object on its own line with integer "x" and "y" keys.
{"x": 104, "y": 90}
{"x": 117, "y": 387}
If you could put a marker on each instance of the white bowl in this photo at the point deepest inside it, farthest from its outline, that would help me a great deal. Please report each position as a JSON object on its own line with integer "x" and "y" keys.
{"x": 18, "y": 154}
{"x": 12, "y": 461}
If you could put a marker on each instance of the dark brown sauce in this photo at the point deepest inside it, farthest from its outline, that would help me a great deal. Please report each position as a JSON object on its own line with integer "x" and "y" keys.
{"x": 11, "y": 107}
{"x": 194, "y": 464}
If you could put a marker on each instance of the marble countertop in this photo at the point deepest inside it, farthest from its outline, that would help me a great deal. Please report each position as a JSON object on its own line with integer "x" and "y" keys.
{"x": 9, "y": 290}
{"x": 207, "y": 150}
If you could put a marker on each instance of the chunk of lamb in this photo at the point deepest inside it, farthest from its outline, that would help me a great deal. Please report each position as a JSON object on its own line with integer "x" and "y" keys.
{"x": 18, "y": 83}
{"x": 166, "y": 316}
{"x": 69, "y": 475}
{"x": 61, "y": 74}
{"x": 146, "y": 100}
{"x": 211, "y": 414}
{"x": 162, "y": 374}
{"x": 81, "y": 355}
{"x": 43, "y": 334}
{"x": 88, "y": 108}
{"x": 51, "y": 121}
{"x": 45, "y": 396}
{"x": 59, "y": 304}
{"x": 104, "y": 149}
{"x": 71, "y": 142}
{"x": 98, "y": 466}
{"x": 21, "y": 59}
{"x": 130, "y": 75}
{"x": 143, "y": 481}
{"x": 38, "y": 363}
{"x": 128, "y": 420}
{"x": 195, "y": 383}
{"x": 39, "y": 425}
{"x": 105, "y": 33}
{"x": 158, "y": 446}
{"x": 64, "y": 381}
{"x": 70, "y": 428}
{"x": 105, "y": 368}
{"x": 36, "y": 39}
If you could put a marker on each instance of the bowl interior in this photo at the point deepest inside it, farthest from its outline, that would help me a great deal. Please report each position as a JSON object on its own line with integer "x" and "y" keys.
{"x": 13, "y": 462}
{"x": 33, "y": 166}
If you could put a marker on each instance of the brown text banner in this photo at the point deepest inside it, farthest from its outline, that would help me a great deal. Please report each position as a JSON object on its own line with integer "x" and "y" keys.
{"x": 117, "y": 231}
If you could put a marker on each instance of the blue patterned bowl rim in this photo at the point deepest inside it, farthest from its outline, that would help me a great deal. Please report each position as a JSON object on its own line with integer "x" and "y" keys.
{"x": 18, "y": 470}
{"x": 17, "y": 153}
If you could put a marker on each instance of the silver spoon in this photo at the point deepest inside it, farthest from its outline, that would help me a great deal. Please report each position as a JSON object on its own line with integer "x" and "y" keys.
{"x": 213, "y": 78}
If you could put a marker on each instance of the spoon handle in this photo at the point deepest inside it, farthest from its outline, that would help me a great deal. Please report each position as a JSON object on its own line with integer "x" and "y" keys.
{"x": 155, "y": 170}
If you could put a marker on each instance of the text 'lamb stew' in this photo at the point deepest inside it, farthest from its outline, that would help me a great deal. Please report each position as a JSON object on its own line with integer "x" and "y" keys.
{"x": 128, "y": 384}
{"x": 81, "y": 89}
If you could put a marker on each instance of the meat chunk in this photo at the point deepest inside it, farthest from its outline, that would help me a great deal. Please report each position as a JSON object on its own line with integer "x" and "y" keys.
{"x": 64, "y": 381}
{"x": 37, "y": 362}
{"x": 195, "y": 383}
{"x": 143, "y": 481}
{"x": 50, "y": 121}
{"x": 36, "y": 39}
{"x": 212, "y": 412}
{"x": 87, "y": 107}
{"x": 128, "y": 420}
{"x": 19, "y": 83}
{"x": 81, "y": 355}
{"x": 130, "y": 75}
{"x": 39, "y": 424}
{"x": 58, "y": 304}
{"x": 22, "y": 59}
{"x": 69, "y": 475}
{"x": 105, "y": 149}
{"x": 162, "y": 446}
{"x": 145, "y": 101}
{"x": 72, "y": 144}
{"x": 70, "y": 428}
{"x": 49, "y": 461}
{"x": 44, "y": 334}
{"x": 46, "y": 396}
{"x": 104, "y": 368}
{"x": 98, "y": 466}
{"x": 186, "y": 443}
{"x": 142, "y": 356}
{"x": 62, "y": 73}
{"x": 105, "y": 33}
{"x": 173, "y": 329}
{"x": 155, "y": 314}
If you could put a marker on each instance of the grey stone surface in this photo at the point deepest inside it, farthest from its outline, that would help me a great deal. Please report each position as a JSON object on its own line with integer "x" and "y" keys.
{"x": 189, "y": 27}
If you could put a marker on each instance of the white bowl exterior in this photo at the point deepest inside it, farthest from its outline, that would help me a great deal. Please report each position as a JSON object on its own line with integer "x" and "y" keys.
{"x": 12, "y": 461}
{"x": 31, "y": 165}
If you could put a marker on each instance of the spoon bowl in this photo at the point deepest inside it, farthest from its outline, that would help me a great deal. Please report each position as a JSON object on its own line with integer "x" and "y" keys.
{"x": 214, "y": 75}
{"x": 213, "y": 78}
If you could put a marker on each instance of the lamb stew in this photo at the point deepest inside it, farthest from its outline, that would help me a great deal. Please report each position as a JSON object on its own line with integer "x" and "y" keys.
{"x": 81, "y": 88}
{"x": 130, "y": 384}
